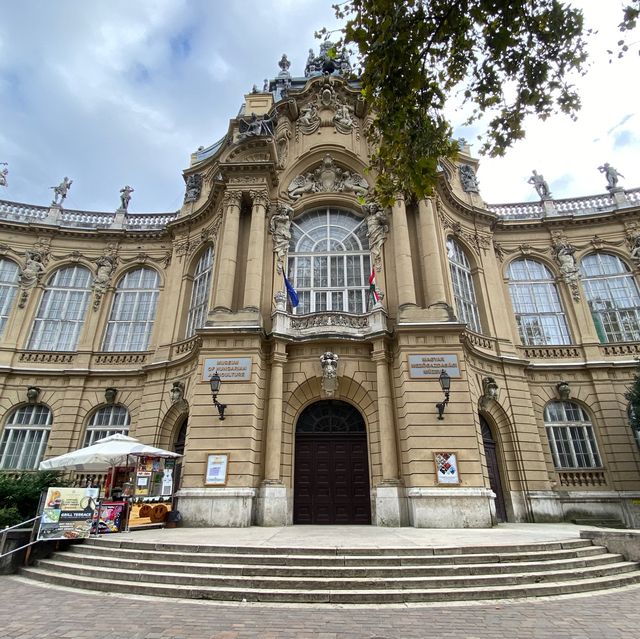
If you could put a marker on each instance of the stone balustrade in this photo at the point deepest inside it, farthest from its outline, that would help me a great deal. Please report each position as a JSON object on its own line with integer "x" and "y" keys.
{"x": 580, "y": 478}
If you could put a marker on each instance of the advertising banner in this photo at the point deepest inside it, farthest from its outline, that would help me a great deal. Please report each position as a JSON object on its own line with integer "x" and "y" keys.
{"x": 112, "y": 516}
{"x": 68, "y": 513}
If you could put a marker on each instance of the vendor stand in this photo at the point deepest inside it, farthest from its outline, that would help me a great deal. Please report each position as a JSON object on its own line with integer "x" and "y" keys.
{"x": 138, "y": 491}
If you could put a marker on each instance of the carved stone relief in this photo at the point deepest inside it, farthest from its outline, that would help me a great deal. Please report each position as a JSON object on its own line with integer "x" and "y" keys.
{"x": 280, "y": 228}
{"x": 33, "y": 265}
{"x": 328, "y": 178}
{"x": 193, "y": 187}
{"x": 377, "y": 229}
{"x": 105, "y": 266}
{"x": 329, "y": 363}
{"x": 468, "y": 179}
{"x": 564, "y": 254}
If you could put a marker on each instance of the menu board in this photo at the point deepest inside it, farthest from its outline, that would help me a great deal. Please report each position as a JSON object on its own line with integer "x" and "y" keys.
{"x": 68, "y": 513}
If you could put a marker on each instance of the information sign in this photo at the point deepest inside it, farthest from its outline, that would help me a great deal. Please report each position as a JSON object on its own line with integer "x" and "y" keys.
{"x": 431, "y": 365}
{"x": 230, "y": 369}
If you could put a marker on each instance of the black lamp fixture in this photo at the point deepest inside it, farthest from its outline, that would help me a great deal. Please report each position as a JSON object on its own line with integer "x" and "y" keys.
{"x": 445, "y": 384}
{"x": 215, "y": 382}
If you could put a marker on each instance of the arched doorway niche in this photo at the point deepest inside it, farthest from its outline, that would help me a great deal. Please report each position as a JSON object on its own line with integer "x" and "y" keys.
{"x": 331, "y": 469}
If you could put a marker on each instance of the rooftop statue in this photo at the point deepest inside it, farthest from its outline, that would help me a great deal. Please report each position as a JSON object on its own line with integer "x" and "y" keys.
{"x": 125, "y": 197}
{"x": 327, "y": 62}
{"x": 61, "y": 191}
{"x": 468, "y": 179}
{"x": 540, "y": 185}
{"x": 3, "y": 174}
{"x": 611, "y": 174}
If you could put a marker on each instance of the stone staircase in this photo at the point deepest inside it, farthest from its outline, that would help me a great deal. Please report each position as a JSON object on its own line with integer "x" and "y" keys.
{"x": 336, "y": 575}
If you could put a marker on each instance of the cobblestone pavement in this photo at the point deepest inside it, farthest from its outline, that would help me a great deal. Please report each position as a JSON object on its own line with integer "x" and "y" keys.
{"x": 29, "y": 611}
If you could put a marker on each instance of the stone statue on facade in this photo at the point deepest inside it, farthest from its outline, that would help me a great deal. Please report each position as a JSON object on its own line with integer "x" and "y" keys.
{"x": 309, "y": 120}
{"x": 105, "y": 266}
{"x": 32, "y": 268}
{"x": 468, "y": 179}
{"x": 540, "y": 185}
{"x": 328, "y": 178}
{"x": 3, "y": 174}
{"x": 265, "y": 86}
{"x": 329, "y": 363}
{"x": 177, "y": 392}
{"x": 257, "y": 125}
{"x": 125, "y": 197}
{"x": 61, "y": 191}
{"x": 342, "y": 118}
{"x": 489, "y": 391}
{"x": 280, "y": 227}
{"x": 193, "y": 187}
{"x": 565, "y": 256}
{"x": 611, "y": 174}
{"x": 377, "y": 229}
{"x": 635, "y": 249}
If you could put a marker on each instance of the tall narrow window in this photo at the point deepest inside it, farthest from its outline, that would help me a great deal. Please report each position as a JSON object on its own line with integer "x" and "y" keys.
{"x": 25, "y": 437}
{"x": 463, "y": 290}
{"x": 536, "y": 304}
{"x": 133, "y": 311}
{"x": 571, "y": 437}
{"x": 613, "y": 297}
{"x": 107, "y": 421}
{"x": 200, "y": 292}
{"x": 60, "y": 315}
{"x": 329, "y": 261}
{"x": 8, "y": 287}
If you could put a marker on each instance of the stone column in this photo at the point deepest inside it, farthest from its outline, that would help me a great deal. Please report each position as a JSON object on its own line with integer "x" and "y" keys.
{"x": 432, "y": 274}
{"x": 228, "y": 254}
{"x": 272, "y": 506}
{"x": 255, "y": 256}
{"x": 402, "y": 250}
{"x": 391, "y": 507}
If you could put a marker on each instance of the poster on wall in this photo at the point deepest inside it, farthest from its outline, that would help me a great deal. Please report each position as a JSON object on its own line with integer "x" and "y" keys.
{"x": 216, "y": 474}
{"x": 446, "y": 468}
{"x": 68, "y": 513}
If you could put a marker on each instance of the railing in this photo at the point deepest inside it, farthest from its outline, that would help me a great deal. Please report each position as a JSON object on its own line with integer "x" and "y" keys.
{"x": 89, "y": 480}
{"x": 579, "y": 478}
{"x": 551, "y": 352}
{"x": 185, "y": 346}
{"x": 632, "y": 348}
{"x": 3, "y": 537}
{"x": 479, "y": 341}
{"x": 106, "y": 359}
{"x": 46, "y": 357}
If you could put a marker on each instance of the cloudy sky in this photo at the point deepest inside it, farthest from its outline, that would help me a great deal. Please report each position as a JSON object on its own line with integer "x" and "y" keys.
{"x": 122, "y": 92}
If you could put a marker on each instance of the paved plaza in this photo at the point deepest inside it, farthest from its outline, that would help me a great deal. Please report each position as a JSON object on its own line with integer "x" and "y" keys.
{"x": 30, "y": 610}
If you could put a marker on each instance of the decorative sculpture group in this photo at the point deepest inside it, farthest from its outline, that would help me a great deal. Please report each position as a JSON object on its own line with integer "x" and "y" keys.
{"x": 328, "y": 61}
{"x": 328, "y": 178}
{"x": 542, "y": 188}
{"x": 329, "y": 364}
{"x": 257, "y": 125}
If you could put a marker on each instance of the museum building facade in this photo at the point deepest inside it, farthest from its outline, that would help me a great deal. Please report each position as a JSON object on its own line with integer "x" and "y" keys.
{"x": 334, "y": 410}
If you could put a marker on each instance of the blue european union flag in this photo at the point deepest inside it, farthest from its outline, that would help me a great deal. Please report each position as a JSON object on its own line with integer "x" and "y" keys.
{"x": 291, "y": 292}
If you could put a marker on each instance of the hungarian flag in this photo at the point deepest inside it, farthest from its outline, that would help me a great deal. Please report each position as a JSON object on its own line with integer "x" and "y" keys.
{"x": 372, "y": 287}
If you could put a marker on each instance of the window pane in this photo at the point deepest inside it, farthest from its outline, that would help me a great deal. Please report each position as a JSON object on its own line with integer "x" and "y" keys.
{"x": 107, "y": 421}
{"x": 25, "y": 437}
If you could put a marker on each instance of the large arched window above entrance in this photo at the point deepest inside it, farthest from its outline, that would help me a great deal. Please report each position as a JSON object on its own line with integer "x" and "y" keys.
{"x": 329, "y": 261}
{"x": 8, "y": 287}
{"x": 62, "y": 309}
{"x": 200, "y": 292}
{"x": 330, "y": 417}
{"x": 613, "y": 297}
{"x": 464, "y": 291}
{"x": 571, "y": 436}
{"x": 107, "y": 421}
{"x": 536, "y": 304}
{"x": 25, "y": 437}
{"x": 133, "y": 311}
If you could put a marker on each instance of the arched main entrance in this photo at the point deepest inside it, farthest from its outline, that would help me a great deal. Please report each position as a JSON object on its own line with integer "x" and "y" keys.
{"x": 331, "y": 474}
{"x": 493, "y": 469}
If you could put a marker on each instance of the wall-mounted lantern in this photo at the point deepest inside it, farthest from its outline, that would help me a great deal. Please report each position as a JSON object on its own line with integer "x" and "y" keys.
{"x": 216, "y": 382}
{"x": 445, "y": 385}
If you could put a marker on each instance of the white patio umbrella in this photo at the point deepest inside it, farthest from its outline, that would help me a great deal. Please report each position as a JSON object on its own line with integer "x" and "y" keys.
{"x": 110, "y": 451}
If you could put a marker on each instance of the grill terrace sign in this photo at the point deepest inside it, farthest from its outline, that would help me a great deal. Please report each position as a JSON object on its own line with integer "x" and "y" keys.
{"x": 431, "y": 365}
{"x": 230, "y": 369}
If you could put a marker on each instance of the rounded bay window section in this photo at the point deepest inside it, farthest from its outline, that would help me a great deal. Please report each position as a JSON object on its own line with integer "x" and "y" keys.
{"x": 329, "y": 261}
{"x": 62, "y": 309}
{"x": 464, "y": 292}
{"x": 539, "y": 314}
{"x": 133, "y": 311}
{"x": 571, "y": 437}
{"x": 613, "y": 297}
{"x": 9, "y": 272}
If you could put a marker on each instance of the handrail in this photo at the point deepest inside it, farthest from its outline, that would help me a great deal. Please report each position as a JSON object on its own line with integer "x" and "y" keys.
{"x": 3, "y": 537}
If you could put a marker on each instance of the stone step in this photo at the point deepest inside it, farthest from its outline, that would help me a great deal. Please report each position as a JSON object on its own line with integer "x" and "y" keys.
{"x": 601, "y": 523}
{"x": 337, "y": 596}
{"x": 330, "y": 583}
{"x": 283, "y": 559}
{"x": 405, "y": 570}
{"x": 338, "y": 551}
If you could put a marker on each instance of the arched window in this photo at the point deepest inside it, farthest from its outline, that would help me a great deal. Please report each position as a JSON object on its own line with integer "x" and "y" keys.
{"x": 463, "y": 290}
{"x": 536, "y": 304}
{"x": 571, "y": 437}
{"x": 200, "y": 292}
{"x": 106, "y": 421}
{"x": 133, "y": 311}
{"x": 8, "y": 286}
{"x": 329, "y": 261}
{"x": 62, "y": 309}
{"x": 613, "y": 297}
{"x": 25, "y": 437}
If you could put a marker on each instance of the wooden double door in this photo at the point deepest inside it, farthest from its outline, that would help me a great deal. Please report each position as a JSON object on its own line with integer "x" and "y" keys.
{"x": 331, "y": 474}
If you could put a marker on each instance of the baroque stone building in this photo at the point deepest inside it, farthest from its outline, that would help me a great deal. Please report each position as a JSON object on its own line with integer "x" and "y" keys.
{"x": 115, "y": 322}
